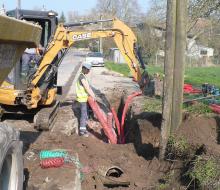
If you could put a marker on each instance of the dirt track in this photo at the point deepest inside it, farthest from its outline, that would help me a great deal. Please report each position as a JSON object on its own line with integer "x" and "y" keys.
{"x": 138, "y": 158}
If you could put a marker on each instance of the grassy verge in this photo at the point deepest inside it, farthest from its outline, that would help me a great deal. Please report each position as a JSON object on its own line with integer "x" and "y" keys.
{"x": 195, "y": 76}
{"x": 120, "y": 68}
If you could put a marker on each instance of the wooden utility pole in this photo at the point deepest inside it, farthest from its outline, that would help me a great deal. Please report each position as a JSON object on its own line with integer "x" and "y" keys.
{"x": 18, "y": 8}
{"x": 174, "y": 69}
{"x": 168, "y": 71}
{"x": 179, "y": 66}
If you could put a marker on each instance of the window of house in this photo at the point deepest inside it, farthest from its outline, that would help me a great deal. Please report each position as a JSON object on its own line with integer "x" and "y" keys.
{"x": 203, "y": 52}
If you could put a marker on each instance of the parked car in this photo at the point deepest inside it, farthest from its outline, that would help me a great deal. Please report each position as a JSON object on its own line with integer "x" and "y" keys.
{"x": 95, "y": 58}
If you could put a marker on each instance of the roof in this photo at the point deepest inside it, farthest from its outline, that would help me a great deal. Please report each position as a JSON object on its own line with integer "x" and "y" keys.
{"x": 31, "y": 13}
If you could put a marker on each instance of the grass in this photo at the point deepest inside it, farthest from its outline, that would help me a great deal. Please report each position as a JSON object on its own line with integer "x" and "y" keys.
{"x": 177, "y": 148}
{"x": 153, "y": 105}
{"x": 195, "y": 76}
{"x": 198, "y": 108}
{"x": 205, "y": 171}
{"x": 166, "y": 180}
{"x": 120, "y": 68}
{"x": 200, "y": 75}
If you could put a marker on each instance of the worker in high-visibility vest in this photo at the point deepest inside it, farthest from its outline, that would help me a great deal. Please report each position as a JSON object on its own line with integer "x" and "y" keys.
{"x": 83, "y": 91}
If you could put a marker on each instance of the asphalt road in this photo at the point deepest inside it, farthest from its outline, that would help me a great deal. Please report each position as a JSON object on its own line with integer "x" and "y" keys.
{"x": 68, "y": 72}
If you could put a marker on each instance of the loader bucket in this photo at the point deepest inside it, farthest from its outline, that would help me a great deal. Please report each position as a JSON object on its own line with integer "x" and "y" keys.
{"x": 15, "y": 36}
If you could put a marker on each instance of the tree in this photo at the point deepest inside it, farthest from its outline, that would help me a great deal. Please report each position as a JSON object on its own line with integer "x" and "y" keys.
{"x": 149, "y": 40}
{"x": 62, "y": 18}
{"x": 203, "y": 20}
{"x": 126, "y": 10}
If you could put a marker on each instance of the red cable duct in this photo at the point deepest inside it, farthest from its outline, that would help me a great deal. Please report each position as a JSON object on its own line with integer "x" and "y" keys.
{"x": 128, "y": 101}
{"x": 215, "y": 108}
{"x": 116, "y": 123}
{"x": 188, "y": 88}
{"x": 108, "y": 130}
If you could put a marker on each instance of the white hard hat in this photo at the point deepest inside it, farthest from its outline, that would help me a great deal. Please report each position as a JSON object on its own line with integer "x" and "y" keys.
{"x": 87, "y": 65}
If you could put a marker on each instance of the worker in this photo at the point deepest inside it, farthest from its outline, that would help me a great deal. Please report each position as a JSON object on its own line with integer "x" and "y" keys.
{"x": 83, "y": 91}
{"x": 30, "y": 59}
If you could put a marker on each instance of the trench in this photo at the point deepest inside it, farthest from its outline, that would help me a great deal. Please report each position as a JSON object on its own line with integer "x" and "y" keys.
{"x": 142, "y": 129}
{"x": 142, "y": 134}
{"x": 137, "y": 129}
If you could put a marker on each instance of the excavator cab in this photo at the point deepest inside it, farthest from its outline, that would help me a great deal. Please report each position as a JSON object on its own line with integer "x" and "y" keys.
{"x": 19, "y": 76}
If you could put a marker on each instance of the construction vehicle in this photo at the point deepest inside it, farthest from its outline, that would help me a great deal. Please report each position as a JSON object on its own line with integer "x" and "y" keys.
{"x": 15, "y": 36}
{"x": 38, "y": 93}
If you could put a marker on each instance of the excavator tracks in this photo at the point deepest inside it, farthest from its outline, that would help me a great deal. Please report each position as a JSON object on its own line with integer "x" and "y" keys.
{"x": 45, "y": 118}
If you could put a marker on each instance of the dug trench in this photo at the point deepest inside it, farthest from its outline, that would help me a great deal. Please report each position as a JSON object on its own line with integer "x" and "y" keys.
{"x": 196, "y": 139}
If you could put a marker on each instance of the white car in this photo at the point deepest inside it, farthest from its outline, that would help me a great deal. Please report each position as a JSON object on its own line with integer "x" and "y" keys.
{"x": 95, "y": 59}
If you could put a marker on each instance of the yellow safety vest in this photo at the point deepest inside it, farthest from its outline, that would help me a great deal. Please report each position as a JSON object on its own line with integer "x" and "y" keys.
{"x": 81, "y": 94}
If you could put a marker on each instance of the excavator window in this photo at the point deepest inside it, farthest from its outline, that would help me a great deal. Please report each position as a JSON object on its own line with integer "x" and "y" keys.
{"x": 20, "y": 74}
{"x": 46, "y": 30}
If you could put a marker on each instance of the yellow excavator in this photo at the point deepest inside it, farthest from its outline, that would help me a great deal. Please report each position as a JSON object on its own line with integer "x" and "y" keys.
{"x": 38, "y": 95}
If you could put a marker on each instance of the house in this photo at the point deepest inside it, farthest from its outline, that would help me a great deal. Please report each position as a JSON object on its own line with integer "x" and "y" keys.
{"x": 2, "y": 10}
{"x": 198, "y": 51}
{"x": 116, "y": 56}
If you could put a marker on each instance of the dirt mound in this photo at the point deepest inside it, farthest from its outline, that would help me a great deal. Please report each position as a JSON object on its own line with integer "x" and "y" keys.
{"x": 200, "y": 130}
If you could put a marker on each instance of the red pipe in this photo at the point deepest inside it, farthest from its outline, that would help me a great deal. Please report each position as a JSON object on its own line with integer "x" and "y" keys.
{"x": 215, "y": 108}
{"x": 116, "y": 123}
{"x": 188, "y": 88}
{"x": 128, "y": 101}
{"x": 108, "y": 130}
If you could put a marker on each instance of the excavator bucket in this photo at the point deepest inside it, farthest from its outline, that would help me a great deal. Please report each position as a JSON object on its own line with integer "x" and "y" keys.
{"x": 15, "y": 36}
{"x": 145, "y": 79}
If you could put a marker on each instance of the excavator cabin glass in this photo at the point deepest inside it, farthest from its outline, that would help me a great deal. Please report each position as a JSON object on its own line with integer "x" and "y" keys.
{"x": 19, "y": 76}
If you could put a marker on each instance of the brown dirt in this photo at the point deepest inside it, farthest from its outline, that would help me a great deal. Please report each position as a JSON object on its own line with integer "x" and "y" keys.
{"x": 200, "y": 130}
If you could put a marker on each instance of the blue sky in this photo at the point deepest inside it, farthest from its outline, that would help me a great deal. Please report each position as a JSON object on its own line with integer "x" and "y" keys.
{"x": 82, "y": 6}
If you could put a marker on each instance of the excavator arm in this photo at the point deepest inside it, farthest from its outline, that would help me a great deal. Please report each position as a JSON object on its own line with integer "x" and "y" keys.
{"x": 65, "y": 37}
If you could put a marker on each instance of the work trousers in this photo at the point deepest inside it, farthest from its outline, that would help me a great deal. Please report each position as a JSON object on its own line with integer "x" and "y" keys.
{"x": 83, "y": 116}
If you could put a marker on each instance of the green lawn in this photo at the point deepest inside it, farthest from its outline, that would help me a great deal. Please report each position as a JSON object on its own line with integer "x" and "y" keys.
{"x": 200, "y": 75}
{"x": 195, "y": 76}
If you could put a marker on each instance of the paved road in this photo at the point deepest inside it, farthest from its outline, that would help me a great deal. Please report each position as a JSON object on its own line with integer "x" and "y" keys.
{"x": 68, "y": 72}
